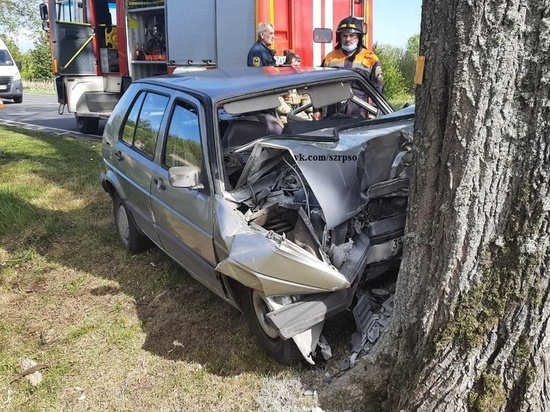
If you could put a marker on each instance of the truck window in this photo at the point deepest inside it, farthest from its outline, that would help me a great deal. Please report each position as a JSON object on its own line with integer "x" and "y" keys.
{"x": 142, "y": 126}
{"x": 183, "y": 144}
{"x": 70, "y": 10}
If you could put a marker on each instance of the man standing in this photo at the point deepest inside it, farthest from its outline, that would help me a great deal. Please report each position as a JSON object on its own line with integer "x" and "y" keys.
{"x": 260, "y": 54}
{"x": 350, "y": 53}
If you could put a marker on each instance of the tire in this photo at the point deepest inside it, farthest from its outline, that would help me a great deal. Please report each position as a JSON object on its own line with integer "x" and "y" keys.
{"x": 18, "y": 99}
{"x": 255, "y": 308}
{"x": 128, "y": 233}
{"x": 87, "y": 125}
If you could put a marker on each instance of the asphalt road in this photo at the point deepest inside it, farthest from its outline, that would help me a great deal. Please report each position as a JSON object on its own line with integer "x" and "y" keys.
{"x": 40, "y": 112}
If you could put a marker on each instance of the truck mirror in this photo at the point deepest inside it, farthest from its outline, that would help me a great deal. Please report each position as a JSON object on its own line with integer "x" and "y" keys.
{"x": 322, "y": 35}
{"x": 18, "y": 64}
{"x": 43, "y": 12}
{"x": 45, "y": 25}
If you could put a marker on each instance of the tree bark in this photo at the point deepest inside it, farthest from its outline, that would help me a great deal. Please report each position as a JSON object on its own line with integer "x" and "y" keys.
{"x": 470, "y": 328}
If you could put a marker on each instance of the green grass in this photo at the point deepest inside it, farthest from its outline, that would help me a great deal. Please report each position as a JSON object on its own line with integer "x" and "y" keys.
{"x": 119, "y": 332}
{"x": 39, "y": 86}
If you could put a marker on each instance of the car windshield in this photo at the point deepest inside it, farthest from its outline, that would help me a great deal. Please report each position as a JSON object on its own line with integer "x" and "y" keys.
{"x": 299, "y": 109}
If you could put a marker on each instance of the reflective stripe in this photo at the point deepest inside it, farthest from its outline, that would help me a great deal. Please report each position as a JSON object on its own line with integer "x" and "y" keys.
{"x": 317, "y": 23}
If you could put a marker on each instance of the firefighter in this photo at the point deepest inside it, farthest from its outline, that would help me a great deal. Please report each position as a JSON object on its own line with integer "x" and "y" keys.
{"x": 260, "y": 53}
{"x": 350, "y": 53}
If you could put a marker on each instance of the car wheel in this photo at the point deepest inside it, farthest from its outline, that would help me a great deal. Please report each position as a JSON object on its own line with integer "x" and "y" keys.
{"x": 18, "y": 99}
{"x": 87, "y": 125}
{"x": 255, "y": 308}
{"x": 127, "y": 231}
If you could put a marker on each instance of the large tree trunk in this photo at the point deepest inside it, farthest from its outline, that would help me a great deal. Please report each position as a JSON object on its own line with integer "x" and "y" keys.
{"x": 470, "y": 328}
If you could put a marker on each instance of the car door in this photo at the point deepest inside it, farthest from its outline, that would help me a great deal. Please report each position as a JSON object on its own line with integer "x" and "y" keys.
{"x": 184, "y": 216}
{"x": 133, "y": 155}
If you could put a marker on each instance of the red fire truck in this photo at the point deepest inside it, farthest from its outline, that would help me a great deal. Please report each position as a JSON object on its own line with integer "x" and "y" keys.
{"x": 100, "y": 46}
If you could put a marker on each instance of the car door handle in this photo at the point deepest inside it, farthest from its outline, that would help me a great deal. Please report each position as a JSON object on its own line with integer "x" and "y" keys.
{"x": 160, "y": 184}
{"x": 118, "y": 155}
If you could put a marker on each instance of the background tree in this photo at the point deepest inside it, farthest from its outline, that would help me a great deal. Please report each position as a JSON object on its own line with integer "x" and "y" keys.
{"x": 38, "y": 66}
{"x": 12, "y": 47}
{"x": 15, "y": 15}
{"x": 394, "y": 83}
{"x": 407, "y": 63}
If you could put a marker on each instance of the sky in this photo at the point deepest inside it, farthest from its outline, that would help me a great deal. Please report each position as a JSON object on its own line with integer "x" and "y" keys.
{"x": 395, "y": 21}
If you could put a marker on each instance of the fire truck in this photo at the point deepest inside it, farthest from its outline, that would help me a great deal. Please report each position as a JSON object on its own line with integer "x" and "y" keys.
{"x": 99, "y": 46}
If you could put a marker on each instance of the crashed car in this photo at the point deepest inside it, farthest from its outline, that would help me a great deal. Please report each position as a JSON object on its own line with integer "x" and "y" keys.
{"x": 288, "y": 222}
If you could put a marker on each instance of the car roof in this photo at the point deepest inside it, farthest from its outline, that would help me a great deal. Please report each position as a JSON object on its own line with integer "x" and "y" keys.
{"x": 221, "y": 84}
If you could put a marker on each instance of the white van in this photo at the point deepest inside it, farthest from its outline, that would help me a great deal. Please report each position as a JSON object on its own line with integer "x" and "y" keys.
{"x": 11, "y": 86}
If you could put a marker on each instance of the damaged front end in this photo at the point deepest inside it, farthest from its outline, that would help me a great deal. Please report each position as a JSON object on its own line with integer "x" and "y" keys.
{"x": 310, "y": 222}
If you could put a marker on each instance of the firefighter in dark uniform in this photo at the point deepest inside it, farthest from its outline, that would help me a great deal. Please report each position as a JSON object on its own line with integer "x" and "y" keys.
{"x": 350, "y": 53}
{"x": 260, "y": 53}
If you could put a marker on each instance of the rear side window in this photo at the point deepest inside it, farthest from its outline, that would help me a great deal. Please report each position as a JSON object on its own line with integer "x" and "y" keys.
{"x": 142, "y": 126}
{"x": 183, "y": 145}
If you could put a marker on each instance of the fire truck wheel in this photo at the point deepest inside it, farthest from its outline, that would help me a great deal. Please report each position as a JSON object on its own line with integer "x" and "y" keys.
{"x": 87, "y": 125}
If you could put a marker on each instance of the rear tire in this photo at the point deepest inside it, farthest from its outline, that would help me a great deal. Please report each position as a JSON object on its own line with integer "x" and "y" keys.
{"x": 87, "y": 125}
{"x": 255, "y": 308}
{"x": 128, "y": 233}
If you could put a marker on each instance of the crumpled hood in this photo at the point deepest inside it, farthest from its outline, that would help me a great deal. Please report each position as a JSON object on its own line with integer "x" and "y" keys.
{"x": 339, "y": 173}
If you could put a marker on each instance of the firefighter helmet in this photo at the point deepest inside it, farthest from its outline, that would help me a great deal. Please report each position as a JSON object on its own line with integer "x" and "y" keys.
{"x": 350, "y": 25}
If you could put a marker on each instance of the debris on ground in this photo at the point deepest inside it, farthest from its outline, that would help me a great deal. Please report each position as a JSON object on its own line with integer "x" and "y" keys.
{"x": 31, "y": 371}
{"x": 372, "y": 315}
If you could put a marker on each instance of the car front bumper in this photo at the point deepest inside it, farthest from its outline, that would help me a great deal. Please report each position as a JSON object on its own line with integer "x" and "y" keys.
{"x": 12, "y": 89}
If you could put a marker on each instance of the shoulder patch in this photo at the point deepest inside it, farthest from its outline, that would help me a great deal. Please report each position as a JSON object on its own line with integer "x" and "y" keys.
{"x": 256, "y": 61}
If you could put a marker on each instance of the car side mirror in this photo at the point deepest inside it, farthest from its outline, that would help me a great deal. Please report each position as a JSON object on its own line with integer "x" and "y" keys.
{"x": 18, "y": 64}
{"x": 185, "y": 176}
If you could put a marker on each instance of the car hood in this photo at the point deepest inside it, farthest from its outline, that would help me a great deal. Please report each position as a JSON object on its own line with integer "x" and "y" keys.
{"x": 339, "y": 173}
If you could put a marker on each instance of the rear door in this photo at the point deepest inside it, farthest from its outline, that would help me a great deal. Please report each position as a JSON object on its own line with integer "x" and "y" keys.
{"x": 133, "y": 152}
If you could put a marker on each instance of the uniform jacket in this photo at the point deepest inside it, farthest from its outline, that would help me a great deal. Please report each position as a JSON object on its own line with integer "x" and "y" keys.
{"x": 260, "y": 55}
{"x": 365, "y": 60}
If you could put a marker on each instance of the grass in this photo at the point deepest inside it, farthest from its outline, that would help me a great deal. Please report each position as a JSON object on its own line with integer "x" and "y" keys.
{"x": 39, "y": 86}
{"x": 119, "y": 332}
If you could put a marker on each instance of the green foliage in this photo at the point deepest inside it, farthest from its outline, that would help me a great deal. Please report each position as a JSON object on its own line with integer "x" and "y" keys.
{"x": 37, "y": 62}
{"x": 17, "y": 14}
{"x": 407, "y": 64}
{"x": 12, "y": 47}
{"x": 398, "y": 66}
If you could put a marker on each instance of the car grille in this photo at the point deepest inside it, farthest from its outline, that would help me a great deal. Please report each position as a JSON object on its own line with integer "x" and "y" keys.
{"x": 5, "y": 79}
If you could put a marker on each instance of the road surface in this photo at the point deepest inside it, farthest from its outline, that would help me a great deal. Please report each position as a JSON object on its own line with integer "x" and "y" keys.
{"x": 40, "y": 112}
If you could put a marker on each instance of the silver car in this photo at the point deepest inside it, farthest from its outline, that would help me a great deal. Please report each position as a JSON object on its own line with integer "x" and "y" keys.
{"x": 284, "y": 217}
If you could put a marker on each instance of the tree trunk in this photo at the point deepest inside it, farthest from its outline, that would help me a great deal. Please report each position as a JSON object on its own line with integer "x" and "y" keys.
{"x": 470, "y": 328}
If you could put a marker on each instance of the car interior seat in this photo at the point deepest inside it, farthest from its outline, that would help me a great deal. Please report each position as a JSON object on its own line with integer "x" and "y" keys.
{"x": 246, "y": 129}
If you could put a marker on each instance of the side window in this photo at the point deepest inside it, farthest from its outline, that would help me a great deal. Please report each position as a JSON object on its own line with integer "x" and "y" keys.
{"x": 143, "y": 124}
{"x": 183, "y": 144}
{"x": 129, "y": 129}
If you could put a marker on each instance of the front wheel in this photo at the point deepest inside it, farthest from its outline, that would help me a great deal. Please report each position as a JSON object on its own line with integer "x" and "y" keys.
{"x": 255, "y": 308}
{"x": 18, "y": 99}
{"x": 129, "y": 235}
